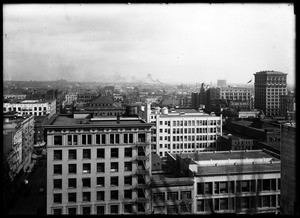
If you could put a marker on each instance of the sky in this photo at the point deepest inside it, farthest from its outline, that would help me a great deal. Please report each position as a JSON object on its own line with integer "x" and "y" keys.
{"x": 175, "y": 43}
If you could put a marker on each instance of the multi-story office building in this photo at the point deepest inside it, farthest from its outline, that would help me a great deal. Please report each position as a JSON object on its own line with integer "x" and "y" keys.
{"x": 98, "y": 165}
{"x": 231, "y": 181}
{"x": 14, "y": 96}
{"x": 236, "y": 93}
{"x": 71, "y": 98}
{"x": 32, "y": 107}
{"x": 182, "y": 130}
{"x": 289, "y": 168}
{"x": 18, "y": 135}
{"x": 269, "y": 85}
{"x": 287, "y": 104}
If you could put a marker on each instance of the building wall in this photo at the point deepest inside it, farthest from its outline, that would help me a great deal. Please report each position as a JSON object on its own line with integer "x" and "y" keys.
{"x": 172, "y": 200}
{"x": 223, "y": 199}
{"x": 135, "y": 161}
{"x": 289, "y": 199}
{"x": 269, "y": 85}
{"x": 177, "y": 134}
{"x": 37, "y": 109}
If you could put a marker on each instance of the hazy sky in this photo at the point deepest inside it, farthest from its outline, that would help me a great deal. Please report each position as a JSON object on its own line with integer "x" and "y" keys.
{"x": 176, "y": 43}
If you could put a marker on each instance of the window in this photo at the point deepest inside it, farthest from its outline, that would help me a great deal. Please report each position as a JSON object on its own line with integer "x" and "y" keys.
{"x": 89, "y": 139}
{"x": 114, "y": 209}
{"x": 57, "y": 168}
{"x": 186, "y": 195}
{"x": 128, "y": 152}
{"x": 86, "y": 168}
{"x": 86, "y": 196}
{"x": 75, "y": 139}
{"x": 72, "y": 211}
{"x": 128, "y": 180}
{"x": 112, "y": 138}
{"x": 142, "y": 137}
{"x": 72, "y": 183}
{"x": 100, "y": 168}
{"x": 57, "y": 183}
{"x": 100, "y": 181}
{"x": 73, "y": 168}
{"x": 128, "y": 166}
{"x": 86, "y": 182}
{"x": 114, "y": 167}
{"x": 172, "y": 209}
{"x": 127, "y": 208}
{"x": 128, "y": 194}
{"x": 57, "y": 140}
{"x": 86, "y": 210}
{"x": 57, "y": 211}
{"x": 57, "y": 198}
{"x": 100, "y": 196}
{"x": 86, "y": 154}
{"x": 114, "y": 195}
{"x": 172, "y": 196}
{"x": 100, "y": 153}
{"x": 208, "y": 205}
{"x": 159, "y": 209}
{"x": 114, "y": 153}
{"x": 69, "y": 139}
{"x": 159, "y": 196}
{"x": 186, "y": 208}
{"x": 72, "y": 197}
{"x": 57, "y": 154}
{"x": 100, "y": 209}
{"x": 114, "y": 181}
{"x": 200, "y": 205}
{"x": 83, "y": 139}
{"x": 72, "y": 154}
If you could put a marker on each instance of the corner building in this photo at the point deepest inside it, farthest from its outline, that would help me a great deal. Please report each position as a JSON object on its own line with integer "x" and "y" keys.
{"x": 98, "y": 166}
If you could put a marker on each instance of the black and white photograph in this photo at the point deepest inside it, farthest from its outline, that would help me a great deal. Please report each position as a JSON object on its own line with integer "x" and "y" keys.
{"x": 149, "y": 108}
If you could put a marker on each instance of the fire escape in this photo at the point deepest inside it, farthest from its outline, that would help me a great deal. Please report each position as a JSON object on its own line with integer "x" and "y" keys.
{"x": 142, "y": 174}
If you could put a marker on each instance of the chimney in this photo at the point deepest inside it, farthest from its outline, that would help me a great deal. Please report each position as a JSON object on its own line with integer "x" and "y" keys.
{"x": 118, "y": 118}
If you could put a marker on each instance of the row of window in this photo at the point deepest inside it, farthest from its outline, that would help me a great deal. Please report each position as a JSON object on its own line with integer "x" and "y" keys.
{"x": 72, "y": 197}
{"x": 204, "y": 188}
{"x": 173, "y": 209}
{"x": 86, "y": 168}
{"x": 188, "y": 145}
{"x": 170, "y": 196}
{"x": 219, "y": 204}
{"x": 193, "y": 138}
{"x": 86, "y": 153}
{"x": 190, "y": 122}
{"x": 30, "y": 109}
{"x": 28, "y": 113}
{"x": 99, "y": 209}
{"x": 99, "y": 139}
{"x": 86, "y": 182}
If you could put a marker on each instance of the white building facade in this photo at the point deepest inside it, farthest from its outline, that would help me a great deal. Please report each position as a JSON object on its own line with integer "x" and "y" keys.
{"x": 182, "y": 130}
{"x": 32, "y": 107}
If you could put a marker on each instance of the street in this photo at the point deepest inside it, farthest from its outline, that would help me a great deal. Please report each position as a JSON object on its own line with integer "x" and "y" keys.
{"x": 30, "y": 200}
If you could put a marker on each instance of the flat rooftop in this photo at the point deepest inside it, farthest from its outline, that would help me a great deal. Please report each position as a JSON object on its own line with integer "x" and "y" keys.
{"x": 163, "y": 180}
{"x": 238, "y": 169}
{"x": 65, "y": 120}
{"x": 223, "y": 155}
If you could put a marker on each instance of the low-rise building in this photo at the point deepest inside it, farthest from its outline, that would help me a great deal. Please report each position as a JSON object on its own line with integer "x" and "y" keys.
{"x": 231, "y": 181}
{"x": 32, "y": 107}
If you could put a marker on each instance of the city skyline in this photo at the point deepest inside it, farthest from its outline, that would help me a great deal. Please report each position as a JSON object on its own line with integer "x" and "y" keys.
{"x": 172, "y": 42}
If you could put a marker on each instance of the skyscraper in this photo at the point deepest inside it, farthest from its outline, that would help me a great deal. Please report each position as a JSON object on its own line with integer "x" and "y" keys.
{"x": 269, "y": 85}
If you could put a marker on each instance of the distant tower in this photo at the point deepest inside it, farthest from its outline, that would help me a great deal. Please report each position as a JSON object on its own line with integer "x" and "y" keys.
{"x": 269, "y": 85}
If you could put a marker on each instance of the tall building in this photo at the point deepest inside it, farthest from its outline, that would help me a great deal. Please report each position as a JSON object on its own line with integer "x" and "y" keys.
{"x": 269, "y": 85}
{"x": 182, "y": 130}
{"x": 287, "y": 104}
{"x": 289, "y": 169}
{"x": 98, "y": 165}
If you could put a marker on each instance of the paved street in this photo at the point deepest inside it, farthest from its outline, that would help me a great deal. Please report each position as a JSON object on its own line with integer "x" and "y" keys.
{"x": 30, "y": 201}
